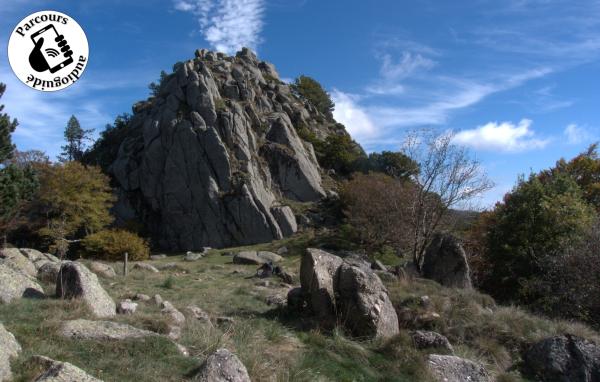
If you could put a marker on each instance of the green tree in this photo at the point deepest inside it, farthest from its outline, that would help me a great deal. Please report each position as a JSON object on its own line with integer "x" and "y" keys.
{"x": 312, "y": 91}
{"x": 542, "y": 217}
{"x": 155, "y": 86}
{"x": 17, "y": 188}
{"x": 17, "y": 182}
{"x": 340, "y": 153}
{"x": 7, "y": 127}
{"x": 75, "y": 137}
{"x": 104, "y": 151}
{"x": 73, "y": 201}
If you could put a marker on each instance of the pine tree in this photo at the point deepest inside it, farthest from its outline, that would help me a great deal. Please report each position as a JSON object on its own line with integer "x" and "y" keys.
{"x": 7, "y": 127}
{"x": 75, "y": 137}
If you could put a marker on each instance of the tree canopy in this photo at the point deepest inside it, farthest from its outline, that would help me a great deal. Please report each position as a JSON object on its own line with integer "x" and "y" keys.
{"x": 312, "y": 91}
{"x": 75, "y": 136}
{"x": 7, "y": 127}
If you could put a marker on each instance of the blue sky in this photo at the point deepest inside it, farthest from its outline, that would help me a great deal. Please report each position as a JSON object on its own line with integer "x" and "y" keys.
{"x": 516, "y": 80}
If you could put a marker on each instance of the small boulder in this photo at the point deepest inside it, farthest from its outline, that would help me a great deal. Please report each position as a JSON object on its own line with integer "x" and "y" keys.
{"x": 364, "y": 303}
{"x": 256, "y": 258}
{"x": 431, "y": 340}
{"x": 101, "y": 330}
{"x": 48, "y": 272}
{"x": 175, "y": 316}
{"x": 76, "y": 281}
{"x": 445, "y": 261}
{"x": 281, "y": 251}
{"x": 145, "y": 267}
{"x": 158, "y": 300}
{"x": 197, "y": 313}
{"x": 15, "y": 284}
{"x": 55, "y": 371}
{"x": 103, "y": 270}
{"x": 222, "y": 366}
{"x": 448, "y": 368}
{"x": 9, "y": 348}
{"x": 127, "y": 307}
{"x": 191, "y": 256}
{"x": 16, "y": 260}
{"x": 318, "y": 271}
{"x": 141, "y": 297}
{"x": 563, "y": 358}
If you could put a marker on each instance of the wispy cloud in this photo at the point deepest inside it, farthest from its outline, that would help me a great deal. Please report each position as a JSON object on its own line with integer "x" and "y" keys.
{"x": 405, "y": 66}
{"x": 576, "y": 134}
{"x": 505, "y": 136}
{"x": 227, "y": 25}
{"x": 352, "y": 116}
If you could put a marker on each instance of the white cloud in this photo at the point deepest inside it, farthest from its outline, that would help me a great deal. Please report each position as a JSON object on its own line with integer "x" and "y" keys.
{"x": 407, "y": 65}
{"x": 184, "y": 6}
{"x": 227, "y": 25}
{"x": 576, "y": 134}
{"x": 352, "y": 116}
{"x": 505, "y": 136}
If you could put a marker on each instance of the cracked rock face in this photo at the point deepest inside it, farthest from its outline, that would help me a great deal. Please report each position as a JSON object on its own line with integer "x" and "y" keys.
{"x": 212, "y": 159}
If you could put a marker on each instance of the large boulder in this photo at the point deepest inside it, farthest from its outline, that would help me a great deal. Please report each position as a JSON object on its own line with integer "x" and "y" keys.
{"x": 445, "y": 261}
{"x": 222, "y": 366}
{"x": 9, "y": 348}
{"x": 48, "y": 272}
{"x": 102, "y": 269}
{"x": 256, "y": 257}
{"x": 448, "y": 368}
{"x": 56, "y": 371}
{"x": 318, "y": 271}
{"x": 563, "y": 358}
{"x": 101, "y": 330}
{"x": 364, "y": 304}
{"x": 15, "y": 284}
{"x": 213, "y": 157}
{"x": 18, "y": 261}
{"x": 76, "y": 281}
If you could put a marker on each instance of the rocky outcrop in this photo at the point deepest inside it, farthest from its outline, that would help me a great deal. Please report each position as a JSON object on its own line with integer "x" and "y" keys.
{"x": 211, "y": 159}
{"x": 9, "y": 348}
{"x": 364, "y": 303}
{"x": 448, "y": 368}
{"x": 347, "y": 291}
{"x": 15, "y": 284}
{"x": 445, "y": 261}
{"x": 56, "y": 371}
{"x": 563, "y": 359}
{"x": 222, "y": 366}
{"x": 76, "y": 281}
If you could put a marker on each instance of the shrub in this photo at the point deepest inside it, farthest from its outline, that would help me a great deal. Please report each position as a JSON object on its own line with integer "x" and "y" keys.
{"x": 111, "y": 245}
{"x": 378, "y": 208}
